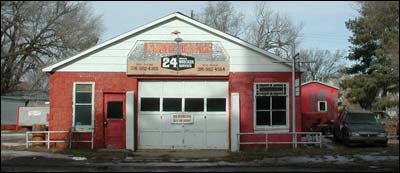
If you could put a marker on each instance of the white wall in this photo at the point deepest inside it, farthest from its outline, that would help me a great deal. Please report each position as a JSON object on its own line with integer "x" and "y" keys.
{"x": 114, "y": 57}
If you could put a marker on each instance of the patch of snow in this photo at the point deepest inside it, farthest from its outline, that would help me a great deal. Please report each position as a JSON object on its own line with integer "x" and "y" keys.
{"x": 376, "y": 158}
{"x": 79, "y": 158}
{"x": 10, "y": 153}
{"x": 12, "y": 144}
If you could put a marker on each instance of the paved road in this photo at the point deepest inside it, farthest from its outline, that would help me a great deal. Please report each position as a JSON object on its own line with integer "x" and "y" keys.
{"x": 52, "y": 165}
{"x": 25, "y": 161}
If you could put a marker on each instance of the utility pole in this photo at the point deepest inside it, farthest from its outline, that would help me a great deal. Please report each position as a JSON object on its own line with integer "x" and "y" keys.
{"x": 293, "y": 62}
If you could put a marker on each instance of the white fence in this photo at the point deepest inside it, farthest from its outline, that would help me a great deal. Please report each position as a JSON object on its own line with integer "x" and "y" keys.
{"x": 48, "y": 141}
{"x": 48, "y": 138}
{"x": 306, "y": 138}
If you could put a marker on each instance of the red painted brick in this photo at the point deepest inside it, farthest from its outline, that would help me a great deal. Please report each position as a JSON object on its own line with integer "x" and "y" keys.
{"x": 61, "y": 90}
{"x": 243, "y": 84}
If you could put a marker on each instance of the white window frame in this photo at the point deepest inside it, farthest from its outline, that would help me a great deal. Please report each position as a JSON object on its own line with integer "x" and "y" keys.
{"x": 83, "y": 127}
{"x": 275, "y": 128}
{"x": 326, "y": 106}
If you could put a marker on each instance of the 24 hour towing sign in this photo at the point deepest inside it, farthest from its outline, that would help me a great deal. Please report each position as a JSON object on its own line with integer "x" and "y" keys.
{"x": 189, "y": 59}
{"x": 177, "y": 62}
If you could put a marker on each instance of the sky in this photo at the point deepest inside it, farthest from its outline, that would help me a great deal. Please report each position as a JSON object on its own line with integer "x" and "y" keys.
{"x": 324, "y": 21}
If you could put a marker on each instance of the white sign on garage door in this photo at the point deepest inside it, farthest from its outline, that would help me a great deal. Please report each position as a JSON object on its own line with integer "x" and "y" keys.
{"x": 183, "y": 114}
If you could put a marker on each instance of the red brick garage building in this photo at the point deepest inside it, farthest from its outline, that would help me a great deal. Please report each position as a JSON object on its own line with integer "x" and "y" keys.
{"x": 148, "y": 89}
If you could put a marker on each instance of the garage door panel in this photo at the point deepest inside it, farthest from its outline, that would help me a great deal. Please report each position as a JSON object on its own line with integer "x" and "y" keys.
{"x": 167, "y": 126}
{"x": 216, "y": 89}
{"x": 150, "y": 122}
{"x": 217, "y": 123}
{"x": 198, "y": 123}
{"x": 217, "y": 139}
{"x": 150, "y": 89}
{"x": 149, "y": 138}
{"x": 195, "y": 139}
{"x": 195, "y": 89}
{"x": 172, "y": 138}
{"x": 173, "y": 89}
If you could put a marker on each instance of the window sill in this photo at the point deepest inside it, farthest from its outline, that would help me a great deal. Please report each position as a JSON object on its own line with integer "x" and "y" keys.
{"x": 82, "y": 129}
{"x": 272, "y": 129}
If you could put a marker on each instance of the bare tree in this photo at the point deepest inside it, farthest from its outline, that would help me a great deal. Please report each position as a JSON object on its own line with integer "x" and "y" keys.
{"x": 36, "y": 33}
{"x": 222, "y": 15}
{"x": 326, "y": 66}
{"x": 273, "y": 31}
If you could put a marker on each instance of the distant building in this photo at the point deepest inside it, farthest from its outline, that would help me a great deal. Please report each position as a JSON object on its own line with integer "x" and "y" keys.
{"x": 319, "y": 104}
{"x": 11, "y": 100}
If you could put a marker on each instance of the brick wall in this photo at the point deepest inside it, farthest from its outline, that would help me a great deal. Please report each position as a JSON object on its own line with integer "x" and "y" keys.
{"x": 61, "y": 94}
{"x": 243, "y": 83}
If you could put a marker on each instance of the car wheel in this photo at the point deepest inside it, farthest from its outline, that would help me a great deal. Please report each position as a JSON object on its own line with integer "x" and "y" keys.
{"x": 346, "y": 142}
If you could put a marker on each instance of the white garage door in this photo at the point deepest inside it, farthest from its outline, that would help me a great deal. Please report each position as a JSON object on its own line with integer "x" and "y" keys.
{"x": 183, "y": 114}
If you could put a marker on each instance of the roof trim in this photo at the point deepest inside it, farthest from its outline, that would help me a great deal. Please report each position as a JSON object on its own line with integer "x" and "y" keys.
{"x": 178, "y": 15}
{"x": 309, "y": 82}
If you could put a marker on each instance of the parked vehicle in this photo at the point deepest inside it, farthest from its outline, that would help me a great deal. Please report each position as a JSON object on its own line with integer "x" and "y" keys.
{"x": 381, "y": 116}
{"x": 359, "y": 127}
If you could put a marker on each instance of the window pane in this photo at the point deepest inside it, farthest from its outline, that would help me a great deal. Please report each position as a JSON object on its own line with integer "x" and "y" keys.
{"x": 114, "y": 110}
{"x": 150, "y": 104}
{"x": 278, "y": 117}
{"x": 194, "y": 105}
{"x": 262, "y": 103}
{"x": 216, "y": 105}
{"x": 263, "y": 118}
{"x": 279, "y": 102}
{"x": 172, "y": 104}
{"x": 83, "y": 114}
{"x": 83, "y": 88}
{"x": 322, "y": 106}
{"x": 83, "y": 97}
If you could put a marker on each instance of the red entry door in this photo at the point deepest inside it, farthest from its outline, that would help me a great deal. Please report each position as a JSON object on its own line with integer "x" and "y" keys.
{"x": 114, "y": 120}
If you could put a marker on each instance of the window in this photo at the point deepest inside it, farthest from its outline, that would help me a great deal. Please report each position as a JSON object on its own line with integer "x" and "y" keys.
{"x": 216, "y": 105}
{"x": 149, "y": 104}
{"x": 271, "y": 108}
{"x": 83, "y": 104}
{"x": 172, "y": 104}
{"x": 114, "y": 110}
{"x": 322, "y": 107}
{"x": 194, "y": 105}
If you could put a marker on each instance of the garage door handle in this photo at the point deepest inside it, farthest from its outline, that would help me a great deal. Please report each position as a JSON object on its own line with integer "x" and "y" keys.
{"x": 160, "y": 117}
{"x": 205, "y": 117}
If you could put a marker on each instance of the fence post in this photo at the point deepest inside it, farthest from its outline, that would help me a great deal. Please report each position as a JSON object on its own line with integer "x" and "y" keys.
{"x": 320, "y": 140}
{"x": 48, "y": 139}
{"x": 27, "y": 139}
{"x": 92, "y": 138}
{"x": 238, "y": 140}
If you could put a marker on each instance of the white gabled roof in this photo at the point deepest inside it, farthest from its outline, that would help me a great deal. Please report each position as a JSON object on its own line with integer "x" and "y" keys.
{"x": 178, "y": 15}
{"x": 320, "y": 83}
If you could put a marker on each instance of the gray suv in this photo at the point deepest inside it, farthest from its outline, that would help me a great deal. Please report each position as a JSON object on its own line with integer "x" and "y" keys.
{"x": 359, "y": 127}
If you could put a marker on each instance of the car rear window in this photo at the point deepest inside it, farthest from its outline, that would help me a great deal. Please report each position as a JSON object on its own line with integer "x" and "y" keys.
{"x": 361, "y": 118}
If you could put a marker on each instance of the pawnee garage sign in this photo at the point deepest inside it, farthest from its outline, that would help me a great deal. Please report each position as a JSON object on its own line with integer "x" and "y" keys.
{"x": 161, "y": 58}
